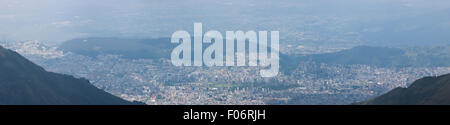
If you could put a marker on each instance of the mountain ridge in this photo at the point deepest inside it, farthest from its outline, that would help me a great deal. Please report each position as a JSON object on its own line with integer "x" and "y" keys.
{"x": 24, "y": 83}
{"x": 425, "y": 91}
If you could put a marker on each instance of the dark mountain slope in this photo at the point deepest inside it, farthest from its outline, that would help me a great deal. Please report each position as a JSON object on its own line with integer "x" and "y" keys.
{"x": 425, "y": 91}
{"x": 24, "y": 83}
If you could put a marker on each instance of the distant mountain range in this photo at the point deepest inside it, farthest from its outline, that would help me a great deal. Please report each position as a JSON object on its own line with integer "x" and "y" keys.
{"x": 429, "y": 56}
{"x": 139, "y": 49}
{"x": 425, "y": 91}
{"x": 24, "y": 83}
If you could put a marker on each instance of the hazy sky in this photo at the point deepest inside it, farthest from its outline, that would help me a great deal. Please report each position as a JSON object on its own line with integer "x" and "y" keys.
{"x": 60, "y": 20}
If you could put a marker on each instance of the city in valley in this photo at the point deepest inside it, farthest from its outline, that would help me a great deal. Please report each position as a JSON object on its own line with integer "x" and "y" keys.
{"x": 157, "y": 81}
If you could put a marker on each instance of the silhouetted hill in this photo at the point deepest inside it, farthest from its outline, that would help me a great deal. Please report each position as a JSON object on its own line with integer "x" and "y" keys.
{"x": 128, "y": 48}
{"x": 24, "y": 83}
{"x": 425, "y": 91}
